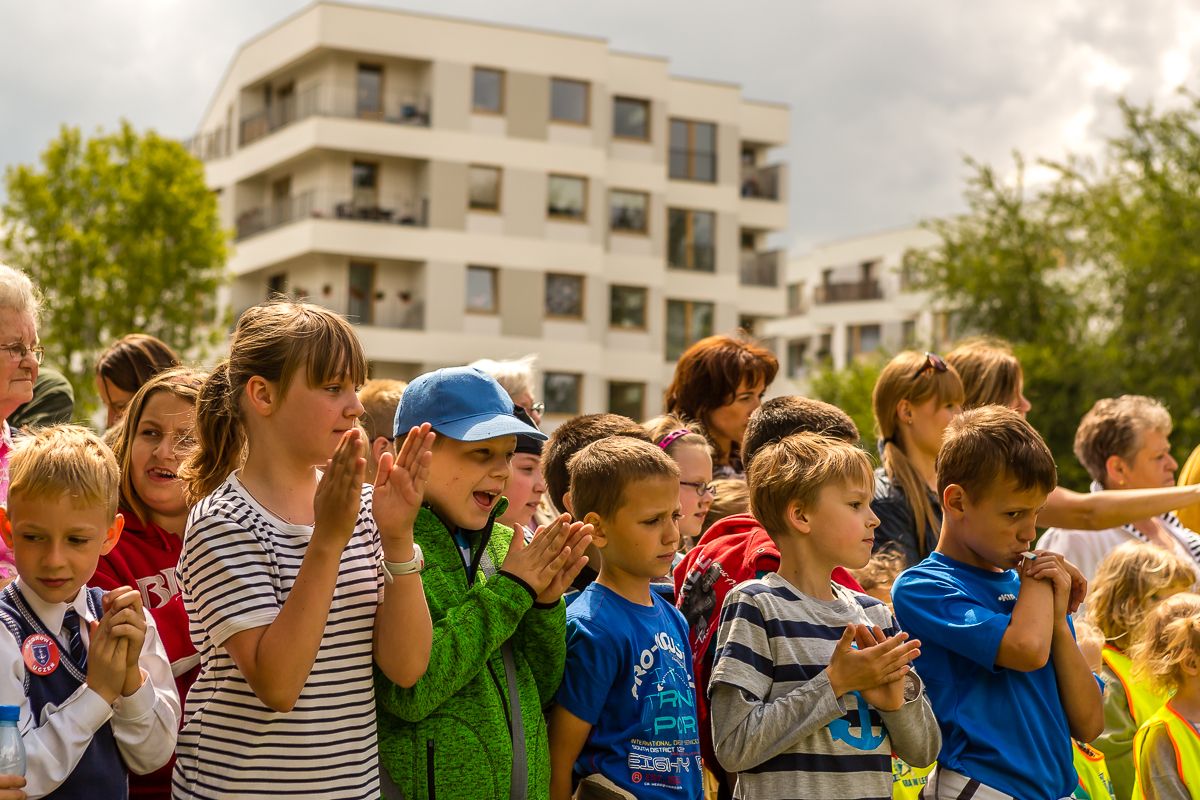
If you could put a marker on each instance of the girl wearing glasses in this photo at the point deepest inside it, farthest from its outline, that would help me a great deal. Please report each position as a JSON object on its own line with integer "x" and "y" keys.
{"x": 688, "y": 447}
{"x": 915, "y": 398}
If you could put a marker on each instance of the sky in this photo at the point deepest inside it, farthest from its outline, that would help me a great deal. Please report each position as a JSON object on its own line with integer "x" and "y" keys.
{"x": 886, "y": 98}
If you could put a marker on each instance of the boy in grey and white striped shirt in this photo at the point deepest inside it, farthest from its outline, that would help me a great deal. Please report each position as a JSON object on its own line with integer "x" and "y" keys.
{"x": 812, "y": 689}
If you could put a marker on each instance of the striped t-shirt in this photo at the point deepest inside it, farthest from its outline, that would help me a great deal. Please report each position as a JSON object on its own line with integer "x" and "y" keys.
{"x": 238, "y": 564}
{"x": 774, "y": 641}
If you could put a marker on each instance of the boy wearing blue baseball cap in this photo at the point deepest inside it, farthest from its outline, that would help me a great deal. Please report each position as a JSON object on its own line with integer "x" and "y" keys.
{"x": 472, "y": 727}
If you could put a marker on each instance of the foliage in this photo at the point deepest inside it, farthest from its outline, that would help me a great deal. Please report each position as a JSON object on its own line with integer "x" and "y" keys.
{"x": 850, "y": 390}
{"x": 120, "y": 234}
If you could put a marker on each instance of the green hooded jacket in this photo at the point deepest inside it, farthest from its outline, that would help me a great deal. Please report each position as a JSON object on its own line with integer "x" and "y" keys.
{"x": 448, "y": 737}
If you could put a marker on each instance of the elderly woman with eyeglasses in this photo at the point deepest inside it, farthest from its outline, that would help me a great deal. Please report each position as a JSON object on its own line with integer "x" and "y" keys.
{"x": 915, "y": 397}
{"x": 20, "y": 356}
{"x": 515, "y": 376}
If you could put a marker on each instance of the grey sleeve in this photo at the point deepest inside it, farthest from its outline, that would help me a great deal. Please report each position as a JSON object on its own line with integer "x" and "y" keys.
{"x": 1157, "y": 770}
{"x": 914, "y": 730}
{"x": 748, "y": 731}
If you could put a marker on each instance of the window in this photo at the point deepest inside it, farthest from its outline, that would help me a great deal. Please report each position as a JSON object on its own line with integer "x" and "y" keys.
{"x": 564, "y": 295}
{"x": 370, "y": 91}
{"x": 488, "y": 94}
{"x": 908, "y": 333}
{"x": 631, "y": 118}
{"x": 688, "y": 321}
{"x": 795, "y": 298}
{"x": 862, "y": 339}
{"x": 627, "y": 399}
{"x": 568, "y": 101}
{"x": 567, "y": 198}
{"x": 561, "y": 392}
{"x": 365, "y": 181}
{"x": 693, "y": 150}
{"x": 691, "y": 239}
{"x": 482, "y": 290}
{"x": 277, "y": 284}
{"x": 359, "y": 306}
{"x": 483, "y": 188}
{"x": 797, "y": 349}
{"x": 627, "y": 307}
{"x": 627, "y": 211}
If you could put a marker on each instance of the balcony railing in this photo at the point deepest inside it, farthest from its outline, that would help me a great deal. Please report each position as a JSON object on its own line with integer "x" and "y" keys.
{"x": 321, "y": 204}
{"x": 333, "y": 101}
{"x": 211, "y": 145}
{"x": 763, "y": 183}
{"x": 760, "y": 269}
{"x": 848, "y": 292}
{"x": 696, "y": 257}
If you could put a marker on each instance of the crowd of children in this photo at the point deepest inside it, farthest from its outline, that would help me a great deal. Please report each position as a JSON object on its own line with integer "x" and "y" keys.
{"x": 356, "y": 595}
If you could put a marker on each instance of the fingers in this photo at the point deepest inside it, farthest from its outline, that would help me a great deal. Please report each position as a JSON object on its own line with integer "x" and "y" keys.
{"x": 121, "y": 599}
{"x": 384, "y": 469}
{"x": 572, "y": 571}
{"x": 848, "y": 638}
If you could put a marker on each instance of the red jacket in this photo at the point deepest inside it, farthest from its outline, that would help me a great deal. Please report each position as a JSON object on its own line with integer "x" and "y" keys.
{"x": 145, "y": 559}
{"x": 733, "y": 550}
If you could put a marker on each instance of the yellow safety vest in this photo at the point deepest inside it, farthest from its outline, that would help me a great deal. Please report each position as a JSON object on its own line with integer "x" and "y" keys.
{"x": 1143, "y": 701}
{"x": 1094, "y": 783}
{"x": 1184, "y": 739}
{"x": 907, "y": 780}
{"x": 1189, "y": 516}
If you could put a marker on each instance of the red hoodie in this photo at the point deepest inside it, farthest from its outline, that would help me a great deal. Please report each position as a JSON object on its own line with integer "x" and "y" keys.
{"x": 145, "y": 558}
{"x": 733, "y": 550}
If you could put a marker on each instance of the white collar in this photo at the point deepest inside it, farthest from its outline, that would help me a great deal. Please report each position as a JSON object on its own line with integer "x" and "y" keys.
{"x": 51, "y": 614}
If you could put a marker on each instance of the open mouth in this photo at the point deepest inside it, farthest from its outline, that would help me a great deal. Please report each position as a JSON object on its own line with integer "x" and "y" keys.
{"x": 485, "y": 499}
{"x": 160, "y": 474}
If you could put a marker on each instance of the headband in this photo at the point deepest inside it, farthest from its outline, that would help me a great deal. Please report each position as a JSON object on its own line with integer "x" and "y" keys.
{"x": 670, "y": 438}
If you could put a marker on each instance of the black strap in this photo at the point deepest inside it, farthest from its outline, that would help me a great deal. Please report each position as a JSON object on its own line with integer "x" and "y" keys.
{"x": 519, "y": 785}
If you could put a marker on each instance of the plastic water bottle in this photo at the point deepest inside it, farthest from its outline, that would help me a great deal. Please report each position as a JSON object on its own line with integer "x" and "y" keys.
{"x": 12, "y": 748}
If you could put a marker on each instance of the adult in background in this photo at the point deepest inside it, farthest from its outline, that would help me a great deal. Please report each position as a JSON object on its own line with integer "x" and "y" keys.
{"x": 719, "y": 382}
{"x": 516, "y": 377}
{"x": 53, "y": 403}
{"x": 125, "y": 366}
{"x": 1124, "y": 444}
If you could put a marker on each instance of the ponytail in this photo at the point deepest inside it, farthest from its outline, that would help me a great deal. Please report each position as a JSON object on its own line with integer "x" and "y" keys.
{"x": 220, "y": 437}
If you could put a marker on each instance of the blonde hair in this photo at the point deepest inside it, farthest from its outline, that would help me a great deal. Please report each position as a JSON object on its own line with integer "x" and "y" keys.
{"x": 795, "y": 469}
{"x": 990, "y": 373}
{"x": 275, "y": 341}
{"x": 903, "y": 378}
{"x": 17, "y": 292}
{"x": 380, "y": 397}
{"x": 601, "y": 471}
{"x": 881, "y": 570}
{"x": 733, "y": 497}
{"x": 515, "y": 375}
{"x": 1116, "y": 426}
{"x": 181, "y": 383}
{"x": 660, "y": 428}
{"x": 1170, "y": 635}
{"x": 65, "y": 460}
{"x": 1119, "y": 597}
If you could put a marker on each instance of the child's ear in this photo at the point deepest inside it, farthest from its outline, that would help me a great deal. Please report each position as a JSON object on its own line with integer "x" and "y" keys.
{"x": 261, "y": 395}
{"x": 599, "y": 537}
{"x": 954, "y": 499}
{"x": 6, "y": 527}
{"x": 568, "y": 506}
{"x": 1191, "y": 665}
{"x": 797, "y": 518}
{"x": 113, "y": 535}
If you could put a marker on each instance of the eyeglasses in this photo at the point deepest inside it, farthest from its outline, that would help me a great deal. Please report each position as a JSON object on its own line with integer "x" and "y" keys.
{"x": 538, "y": 408}
{"x": 17, "y": 351}
{"x": 701, "y": 488}
{"x": 932, "y": 361}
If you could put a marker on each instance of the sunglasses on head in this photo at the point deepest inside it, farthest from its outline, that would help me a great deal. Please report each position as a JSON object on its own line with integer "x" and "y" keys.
{"x": 932, "y": 362}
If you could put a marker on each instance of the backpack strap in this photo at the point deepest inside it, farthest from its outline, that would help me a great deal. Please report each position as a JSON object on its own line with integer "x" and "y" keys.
{"x": 519, "y": 785}
{"x": 10, "y": 622}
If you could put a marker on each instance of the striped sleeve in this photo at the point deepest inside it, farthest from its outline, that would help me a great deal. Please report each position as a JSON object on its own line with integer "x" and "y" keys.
{"x": 743, "y": 651}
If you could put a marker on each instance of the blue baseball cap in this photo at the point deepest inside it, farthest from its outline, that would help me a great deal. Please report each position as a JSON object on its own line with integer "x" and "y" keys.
{"x": 461, "y": 403}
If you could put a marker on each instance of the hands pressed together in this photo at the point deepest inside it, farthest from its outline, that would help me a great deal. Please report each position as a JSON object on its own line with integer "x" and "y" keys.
{"x": 1070, "y": 587}
{"x": 868, "y": 662}
{"x": 552, "y": 558}
{"x": 116, "y": 645}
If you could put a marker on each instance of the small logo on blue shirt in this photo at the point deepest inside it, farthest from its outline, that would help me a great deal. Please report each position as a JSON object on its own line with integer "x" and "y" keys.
{"x": 1006, "y": 598}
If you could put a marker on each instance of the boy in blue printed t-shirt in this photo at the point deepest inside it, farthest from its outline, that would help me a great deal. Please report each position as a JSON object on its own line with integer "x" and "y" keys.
{"x": 1009, "y": 685}
{"x": 626, "y": 713}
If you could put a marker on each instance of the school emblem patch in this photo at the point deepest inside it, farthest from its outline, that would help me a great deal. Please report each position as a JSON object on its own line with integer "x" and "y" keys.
{"x": 41, "y": 654}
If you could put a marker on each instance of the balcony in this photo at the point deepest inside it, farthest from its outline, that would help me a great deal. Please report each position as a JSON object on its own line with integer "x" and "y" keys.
{"x": 762, "y": 183}
{"x": 211, "y": 145}
{"x": 333, "y": 101}
{"x": 326, "y": 204}
{"x": 849, "y": 292}
{"x": 760, "y": 269}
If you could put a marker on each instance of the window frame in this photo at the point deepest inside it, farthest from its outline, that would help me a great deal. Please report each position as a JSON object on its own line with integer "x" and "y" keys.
{"x": 359, "y": 111}
{"x": 587, "y": 103}
{"x": 369, "y": 301}
{"x": 546, "y": 312}
{"x": 495, "y": 308}
{"x": 649, "y": 122}
{"x": 689, "y": 242}
{"x": 577, "y": 400}
{"x": 691, "y": 150}
{"x": 583, "y": 217}
{"x": 645, "y": 229}
{"x": 501, "y": 103}
{"x": 499, "y": 189}
{"x": 689, "y": 318}
{"x": 645, "y": 293}
{"x": 641, "y": 406}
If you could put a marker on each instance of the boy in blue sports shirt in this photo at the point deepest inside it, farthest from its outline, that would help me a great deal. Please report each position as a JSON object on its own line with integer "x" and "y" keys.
{"x": 1008, "y": 684}
{"x": 626, "y": 713}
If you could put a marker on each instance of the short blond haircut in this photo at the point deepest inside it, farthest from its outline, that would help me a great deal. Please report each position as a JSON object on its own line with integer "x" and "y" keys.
{"x": 65, "y": 460}
{"x": 601, "y": 471}
{"x": 795, "y": 469}
{"x": 1119, "y": 596}
{"x": 985, "y": 448}
{"x": 1170, "y": 634}
{"x": 1116, "y": 426}
{"x": 380, "y": 397}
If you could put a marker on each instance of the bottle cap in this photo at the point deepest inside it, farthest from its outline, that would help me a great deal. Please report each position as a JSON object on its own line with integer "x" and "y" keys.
{"x": 10, "y": 713}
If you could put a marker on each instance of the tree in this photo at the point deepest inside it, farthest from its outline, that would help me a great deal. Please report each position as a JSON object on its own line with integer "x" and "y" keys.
{"x": 120, "y": 234}
{"x": 850, "y": 390}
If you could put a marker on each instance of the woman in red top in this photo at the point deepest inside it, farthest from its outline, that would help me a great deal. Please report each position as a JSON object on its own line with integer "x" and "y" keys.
{"x": 155, "y": 436}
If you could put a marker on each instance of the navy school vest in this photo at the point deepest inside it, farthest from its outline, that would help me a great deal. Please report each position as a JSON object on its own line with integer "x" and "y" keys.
{"x": 100, "y": 772}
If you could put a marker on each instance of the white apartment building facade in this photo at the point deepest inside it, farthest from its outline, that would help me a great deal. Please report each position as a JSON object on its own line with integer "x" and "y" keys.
{"x": 463, "y": 190}
{"x": 848, "y": 299}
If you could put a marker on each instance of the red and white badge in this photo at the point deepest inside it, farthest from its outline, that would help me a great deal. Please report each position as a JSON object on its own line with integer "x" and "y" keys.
{"x": 41, "y": 654}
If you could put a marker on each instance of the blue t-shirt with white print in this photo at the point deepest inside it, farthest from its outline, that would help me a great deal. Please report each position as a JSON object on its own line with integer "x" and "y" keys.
{"x": 629, "y": 674}
{"x": 1004, "y": 728}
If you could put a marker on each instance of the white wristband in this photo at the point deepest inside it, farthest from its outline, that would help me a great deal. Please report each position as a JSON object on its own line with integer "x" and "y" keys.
{"x": 392, "y": 568}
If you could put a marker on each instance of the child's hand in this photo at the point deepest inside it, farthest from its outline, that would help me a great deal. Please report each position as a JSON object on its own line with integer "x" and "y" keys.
{"x": 882, "y": 662}
{"x": 540, "y": 562}
{"x": 123, "y": 610}
{"x": 107, "y": 657}
{"x": 579, "y": 536}
{"x": 10, "y": 787}
{"x": 339, "y": 494}
{"x": 400, "y": 484}
{"x": 888, "y": 696}
{"x": 1048, "y": 568}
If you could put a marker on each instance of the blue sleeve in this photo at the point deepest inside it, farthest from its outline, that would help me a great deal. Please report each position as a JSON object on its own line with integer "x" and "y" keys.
{"x": 942, "y": 613}
{"x": 593, "y": 659}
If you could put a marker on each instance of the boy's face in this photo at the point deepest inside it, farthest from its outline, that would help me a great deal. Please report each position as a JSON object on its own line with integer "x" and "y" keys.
{"x": 997, "y": 526}
{"x": 841, "y": 524}
{"x": 56, "y": 545}
{"x": 642, "y": 536}
{"x": 467, "y": 478}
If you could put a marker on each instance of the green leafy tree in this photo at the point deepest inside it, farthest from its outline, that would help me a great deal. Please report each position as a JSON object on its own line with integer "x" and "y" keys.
{"x": 850, "y": 390}
{"x": 120, "y": 234}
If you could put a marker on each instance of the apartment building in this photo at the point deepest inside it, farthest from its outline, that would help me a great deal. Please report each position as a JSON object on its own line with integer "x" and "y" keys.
{"x": 461, "y": 190}
{"x": 849, "y": 298}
